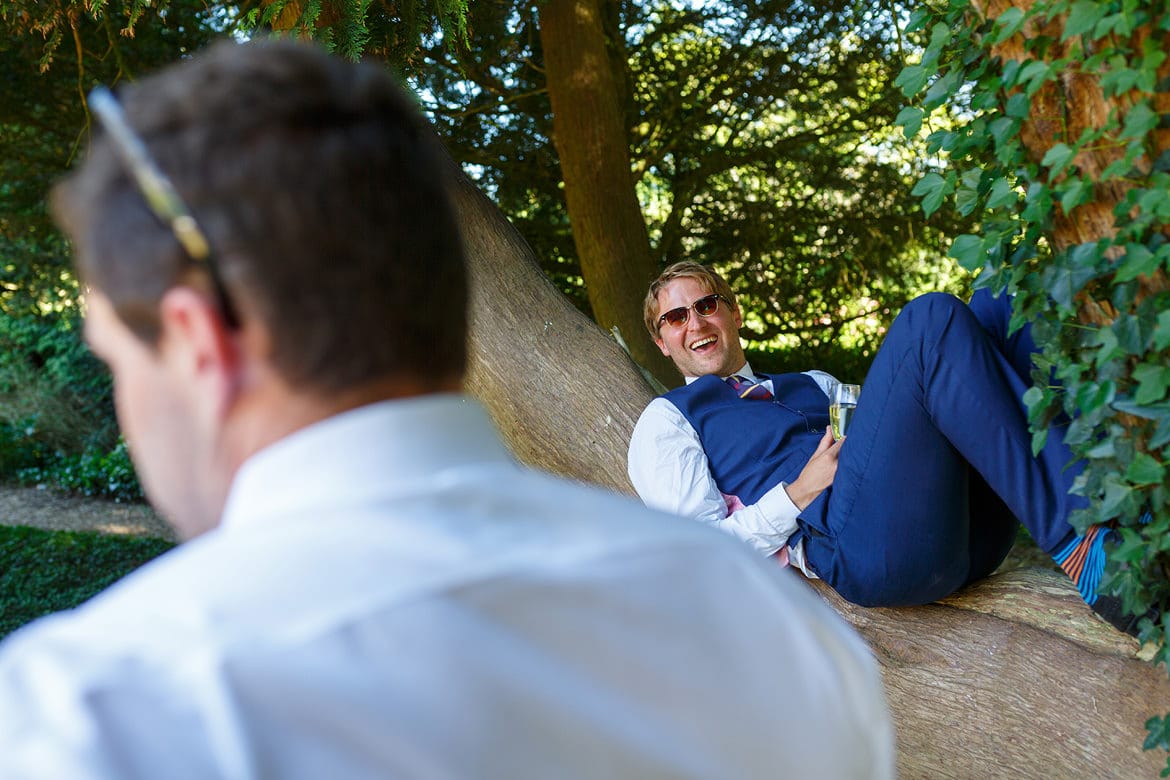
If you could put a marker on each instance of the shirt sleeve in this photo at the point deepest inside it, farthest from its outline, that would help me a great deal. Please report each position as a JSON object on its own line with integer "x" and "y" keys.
{"x": 670, "y": 472}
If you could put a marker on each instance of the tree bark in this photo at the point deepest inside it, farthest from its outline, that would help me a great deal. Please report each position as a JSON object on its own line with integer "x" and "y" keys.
{"x": 589, "y": 132}
{"x": 563, "y": 393}
{"x": 1014, "y": 677}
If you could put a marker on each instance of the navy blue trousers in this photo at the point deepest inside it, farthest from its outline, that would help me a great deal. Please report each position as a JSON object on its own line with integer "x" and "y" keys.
{"x": 937, "y": 467}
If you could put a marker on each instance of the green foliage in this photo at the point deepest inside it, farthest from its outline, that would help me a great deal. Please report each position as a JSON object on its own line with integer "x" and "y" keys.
{"x": 44, "y": 124}
{"x": 47, "y": 571}
{"x": 20, "y": 449}
{"x": 761, "y": 140}
{"x": 1099, "y": 301}
{"x": 93, "y": 472}
{"x": 389, "y": 30}
{"x": 57, "y": 425}
{"x": 51, "y": 387}
{"x": 56, "y": 415}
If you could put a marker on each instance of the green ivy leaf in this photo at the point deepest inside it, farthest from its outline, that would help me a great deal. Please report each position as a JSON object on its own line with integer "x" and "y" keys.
{"x": 1129, "y": 334}
{"x": 1162, "y": 331}
{"x": 1057, "y": 158}
{"x": 1105, "y": 449}
{"x": 1117, "y": 169}
{"x": 1138, "y": 261}
{"x": 966, "y": 200}
{"x": 1083, "y": 17}
{"x": 968, "y": 250}
{"x": 1011, "y": 74}
{"x": 1145, "y": 411}
{"x": 1034, "y": 74}
{"x": 1140, "y": 120}
{"x": 1039, "y": 439}
{"x": 1155, "y": 202}
{"x": 1114, "y": 24}
{"x": 941, "y": 89}
{"x": 1018, "y": 106}
{"x": 1032, "y": 396}
{"x": 1075, "y": 194}
{"x": 1065, "y": 281}
{"x": 1007, "y": 24}
{"x": 1161, "y": 435}
{"x": 912, "y": 79}
{"x": 1038, "y": 202}
{"x": 910, "y": 120}
{"x": 1115, "y": 495}
{"x": 1153, "y": 381}
{"x": 1004, "y": 129}
{"x": 1119, "y": 77}
{"x": 917, "y": 20}
{"x": 1152, "y": 58}
{"x": 1159, "y": 734}
{"x": 1109, "y": 348}
{"x": 1001, "y": 195}
{"x": 1145, "y": 470}
{"x": 932, "y": 188}
{"x": 967, "y": 194}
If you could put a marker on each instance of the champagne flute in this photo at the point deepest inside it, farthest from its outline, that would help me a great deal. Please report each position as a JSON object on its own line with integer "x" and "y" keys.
{"x": 844, "y": 404}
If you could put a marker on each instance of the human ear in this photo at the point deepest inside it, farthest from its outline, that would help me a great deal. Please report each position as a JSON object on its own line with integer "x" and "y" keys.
{"x": 662, "y": 346}
{"x": 199, "y": 347}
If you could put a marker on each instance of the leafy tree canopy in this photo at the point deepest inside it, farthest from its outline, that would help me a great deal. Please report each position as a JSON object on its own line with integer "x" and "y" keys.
{"x": 759, "y": 134}
{"x": 761, "y": 142}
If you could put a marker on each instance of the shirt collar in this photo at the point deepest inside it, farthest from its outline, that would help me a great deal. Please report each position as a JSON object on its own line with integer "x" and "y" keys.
{"x": 745, "y": 371}
{"x": 379, "y": 449}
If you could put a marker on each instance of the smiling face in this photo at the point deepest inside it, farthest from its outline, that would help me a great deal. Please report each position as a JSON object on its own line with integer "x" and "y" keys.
{"x": 702, "y": 345}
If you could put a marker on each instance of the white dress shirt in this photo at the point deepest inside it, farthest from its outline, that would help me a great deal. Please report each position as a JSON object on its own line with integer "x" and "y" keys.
{"x": 390, "y": 595}
{"x": 669, "y": 469}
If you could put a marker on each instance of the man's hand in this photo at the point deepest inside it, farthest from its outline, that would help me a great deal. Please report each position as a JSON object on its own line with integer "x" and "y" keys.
{"x": 818, "y": 473}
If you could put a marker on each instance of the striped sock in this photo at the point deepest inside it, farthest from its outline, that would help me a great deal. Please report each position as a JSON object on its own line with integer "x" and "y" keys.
{"x": 1083, "y": 560}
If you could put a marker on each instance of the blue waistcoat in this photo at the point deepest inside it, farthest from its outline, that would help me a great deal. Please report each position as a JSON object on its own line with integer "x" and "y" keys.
{"x": 754, "y": 445}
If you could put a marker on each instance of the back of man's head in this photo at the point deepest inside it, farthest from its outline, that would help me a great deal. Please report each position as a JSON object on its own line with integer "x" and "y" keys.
{"x": 322, "y": 193}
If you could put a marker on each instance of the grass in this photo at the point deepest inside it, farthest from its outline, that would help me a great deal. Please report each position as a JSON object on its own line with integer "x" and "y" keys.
{"x": 48, "y": 571}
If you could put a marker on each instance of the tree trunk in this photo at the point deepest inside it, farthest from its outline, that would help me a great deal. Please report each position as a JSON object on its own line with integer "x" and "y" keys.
{"x": 563, "y": 393}
{"x": 590, "y": 136}
{"x": 1014, "y": 677}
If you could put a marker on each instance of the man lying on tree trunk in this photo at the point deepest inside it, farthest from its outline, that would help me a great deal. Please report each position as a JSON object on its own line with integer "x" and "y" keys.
{"x": 924, "y": 493}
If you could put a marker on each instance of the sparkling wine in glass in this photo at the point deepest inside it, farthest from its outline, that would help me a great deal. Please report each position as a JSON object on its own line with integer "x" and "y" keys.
{"x": 844, "y": 404}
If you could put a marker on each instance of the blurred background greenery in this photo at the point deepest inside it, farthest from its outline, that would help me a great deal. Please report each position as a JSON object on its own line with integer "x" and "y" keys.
{"x": 760, "y": 139}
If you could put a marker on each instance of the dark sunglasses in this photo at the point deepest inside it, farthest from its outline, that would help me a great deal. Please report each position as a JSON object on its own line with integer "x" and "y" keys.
{"x": 160, "y": 195}
{"x": 704, "y": 307}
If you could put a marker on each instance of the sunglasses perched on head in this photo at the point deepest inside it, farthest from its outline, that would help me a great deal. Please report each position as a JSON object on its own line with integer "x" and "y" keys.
{"x": 160, "y": 195}
{"x": 704, "y": 307}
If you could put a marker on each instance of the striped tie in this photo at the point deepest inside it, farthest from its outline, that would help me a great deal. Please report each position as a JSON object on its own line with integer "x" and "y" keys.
{"x": 745, "y": 388}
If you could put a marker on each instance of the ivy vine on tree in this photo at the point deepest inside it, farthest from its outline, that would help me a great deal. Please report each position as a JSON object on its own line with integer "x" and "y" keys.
{"x": 1051, "y": 120}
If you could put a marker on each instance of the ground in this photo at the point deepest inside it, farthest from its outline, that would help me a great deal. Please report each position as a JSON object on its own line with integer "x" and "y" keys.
{"x": 42, "y": 508}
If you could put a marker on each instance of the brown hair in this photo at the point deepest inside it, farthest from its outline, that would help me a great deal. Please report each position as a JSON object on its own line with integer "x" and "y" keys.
{"x": 322, "y": 192}
{"x": 707, "y": 278}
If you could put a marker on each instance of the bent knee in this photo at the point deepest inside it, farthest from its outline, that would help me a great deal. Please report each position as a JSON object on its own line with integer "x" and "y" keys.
{"x": 931, "y": 313}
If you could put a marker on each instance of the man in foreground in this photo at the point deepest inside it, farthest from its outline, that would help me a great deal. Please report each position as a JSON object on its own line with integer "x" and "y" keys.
{"x": 922, "y": 495}
{"x": 372, "y": 587}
